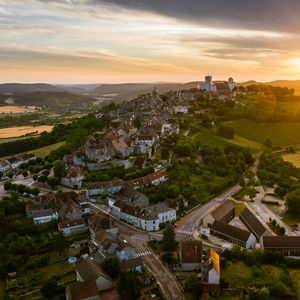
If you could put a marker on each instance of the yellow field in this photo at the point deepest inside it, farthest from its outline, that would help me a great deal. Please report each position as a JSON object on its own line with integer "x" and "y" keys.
{"x": 16, "y": 109}
{"x": 293, "y": 158}
{"x": 22, "y": 130}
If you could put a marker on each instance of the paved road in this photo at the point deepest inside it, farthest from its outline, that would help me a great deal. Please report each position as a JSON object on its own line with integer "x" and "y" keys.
{"x": 186, "y": 229}
{"x": 138, "y": 239}
{"x": 191, "y": 220}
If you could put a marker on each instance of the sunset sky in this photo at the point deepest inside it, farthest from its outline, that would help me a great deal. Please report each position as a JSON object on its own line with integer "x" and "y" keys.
{"x": 94, "y": 41}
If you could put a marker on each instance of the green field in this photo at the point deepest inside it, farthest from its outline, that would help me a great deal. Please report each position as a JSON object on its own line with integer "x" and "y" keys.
{"x": 239, "y": 275}
{"x": 208, "y": 137}
{"x": 281, "y": 134}
{"x": 44, "y": 151}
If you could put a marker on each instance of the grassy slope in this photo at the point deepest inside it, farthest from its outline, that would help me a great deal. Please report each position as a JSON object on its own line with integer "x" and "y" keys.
{"x": 44, "y": 151}
{"x": 207, "y": 136}
{"x": 281, "y": 134}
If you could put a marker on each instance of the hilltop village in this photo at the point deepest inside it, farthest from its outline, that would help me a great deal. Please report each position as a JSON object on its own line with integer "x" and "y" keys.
{"x": 137, "y": 206}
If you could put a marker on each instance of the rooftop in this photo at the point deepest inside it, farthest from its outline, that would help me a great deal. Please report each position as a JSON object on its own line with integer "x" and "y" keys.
{"x": 252, "y": 223}
{"x": 191, "y": 251}
{"x": 222, "y": 210}
{"x": 281, "y": 241}
{"x": 231, "y": 231}
{"x": 91, "y": 270}
{"x": 82, "y": 290}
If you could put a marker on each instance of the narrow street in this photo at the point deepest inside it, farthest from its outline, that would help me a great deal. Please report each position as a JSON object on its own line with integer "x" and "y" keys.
{"x": 138, "y": 239}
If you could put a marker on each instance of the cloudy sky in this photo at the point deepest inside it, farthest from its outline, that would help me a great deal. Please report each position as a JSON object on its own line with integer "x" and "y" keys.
{"x": 97, "y": 41}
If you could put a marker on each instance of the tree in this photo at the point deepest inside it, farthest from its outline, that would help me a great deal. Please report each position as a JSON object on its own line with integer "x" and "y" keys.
{"x": 165, "y": 153}
{"x": 42, "y": 178}
{"x": 53, "y": 181}
{"x": 25, "y": 173}
{"x": 58, "y": 168}
{"x": 206, "y": 121}
{"x": 168, "y": 242}
{"x": 137, "y": 122}
{"x": 268, "y": 143}
{"x": 34, "y": 191}
{"x": 49, "y": 289}
{"x": 7, "y": 185}
{"x": 128, "y": 285}
{"x": 225, "y": 131}
{"x": 293, "y": 202}
{"x": 192, "y": 284}
{"x": 112, "y": 266}
{"x": 21, "y": 188}
{"x": 263, "y": 293}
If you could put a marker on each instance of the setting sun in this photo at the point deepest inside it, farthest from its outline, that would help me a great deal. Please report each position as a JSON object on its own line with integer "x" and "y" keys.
{"x": 295, "y": 63}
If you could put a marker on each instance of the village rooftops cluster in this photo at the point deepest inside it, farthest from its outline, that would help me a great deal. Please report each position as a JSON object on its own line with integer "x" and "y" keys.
{"x": 14, "y": 162}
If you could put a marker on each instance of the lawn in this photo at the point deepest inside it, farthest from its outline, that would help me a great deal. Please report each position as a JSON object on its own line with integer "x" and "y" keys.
{"x": 281, "y": 134}
{"x": 44, "y": 151}
{"x": 239, "y": 207}
{"x": 295, "y": 275}
{"x": 208, "y": 137}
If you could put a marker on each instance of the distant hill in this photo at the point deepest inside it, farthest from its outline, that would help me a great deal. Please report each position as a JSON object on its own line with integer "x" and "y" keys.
{"x": 77, "y": 88}
{"x": 28, "y": 88}
{"x": 47, "y": 98}
{"x": 295, "y": 84}
{"x": 132, "y": 90}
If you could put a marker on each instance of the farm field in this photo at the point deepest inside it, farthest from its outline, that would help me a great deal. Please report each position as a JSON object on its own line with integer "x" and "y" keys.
{"x": 293, "y": 158}
{"x": 13, "y": 132}
{"x": 281, "y": 134}
{"x": 11, "y": 109}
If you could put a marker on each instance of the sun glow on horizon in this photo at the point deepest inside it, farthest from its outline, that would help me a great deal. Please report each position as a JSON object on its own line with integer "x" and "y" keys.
{"x": 295, "y": 63}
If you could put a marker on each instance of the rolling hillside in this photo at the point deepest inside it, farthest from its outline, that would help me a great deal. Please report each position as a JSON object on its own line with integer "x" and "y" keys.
{"x": 295, "y": 84}
{"x": 132, "y": 90}
{"x": 28, "y": 88}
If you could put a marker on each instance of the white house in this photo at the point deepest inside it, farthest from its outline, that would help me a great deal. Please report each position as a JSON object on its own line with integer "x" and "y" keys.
{"x": 182, "y": 109}
{"x": 168, "y": 128}
{"x": 72, "y": 227}
{"x": 40, "y": 215}
{"x": 73, "y": 177}
{"x": 90, "y": 270}
{"x": 17, "y": 160}
{"x": 5, "y": 165}
{"x": 104, "y": 187}
{"x": 148, "y": 218}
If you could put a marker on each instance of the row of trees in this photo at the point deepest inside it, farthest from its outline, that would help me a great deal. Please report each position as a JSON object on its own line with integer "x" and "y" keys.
{"x": 274, "y": 170}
